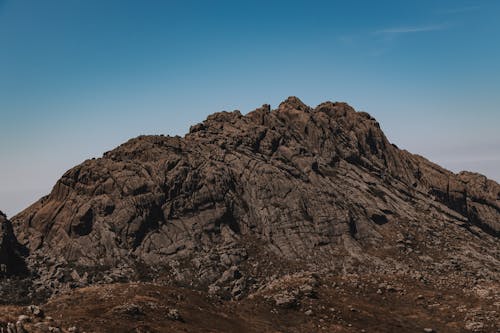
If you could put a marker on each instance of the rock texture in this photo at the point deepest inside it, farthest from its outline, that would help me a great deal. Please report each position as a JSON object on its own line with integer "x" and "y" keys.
{"x": 296, "y": 182}
{"x": 11, "y": 252}
{"x": 310, "y": 211}
{"x": 244, "y": 205}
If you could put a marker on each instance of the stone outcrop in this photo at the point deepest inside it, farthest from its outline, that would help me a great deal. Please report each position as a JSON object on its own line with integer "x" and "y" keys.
{"x": 243, "y": 195}
{"x": 11, "y": 253}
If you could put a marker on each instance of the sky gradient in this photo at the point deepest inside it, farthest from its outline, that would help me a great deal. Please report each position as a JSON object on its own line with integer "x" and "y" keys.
{"x": 79, "y": 77}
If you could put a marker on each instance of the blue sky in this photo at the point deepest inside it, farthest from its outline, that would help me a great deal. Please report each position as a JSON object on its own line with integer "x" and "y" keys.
{"x": 78, "y": 77}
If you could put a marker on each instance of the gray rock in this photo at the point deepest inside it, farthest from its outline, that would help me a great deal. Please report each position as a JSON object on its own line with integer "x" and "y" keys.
{"x": 11, "y": 328}
{"x": 35, "y": 311}
{"x": 474, "y": 326}
{"x": 129, "y": 309}
{"x": 173, "y": 314}
{"x": 285, "y": 300}
{"x": 20, "y": 327}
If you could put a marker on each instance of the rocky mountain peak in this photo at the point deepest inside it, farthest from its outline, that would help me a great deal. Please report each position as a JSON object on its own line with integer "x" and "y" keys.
{"x": 293, "y": 103}
{"x": 243, "y": 197}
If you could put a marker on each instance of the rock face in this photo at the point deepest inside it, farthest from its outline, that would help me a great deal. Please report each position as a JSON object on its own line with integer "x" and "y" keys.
{"x": 241, "y": 196}
{"x": 11, "y": 253}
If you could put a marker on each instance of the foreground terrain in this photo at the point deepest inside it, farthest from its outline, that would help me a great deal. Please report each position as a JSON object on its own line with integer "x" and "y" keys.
{"x": 330, "y": 304}
{"x": 296, "y": 219}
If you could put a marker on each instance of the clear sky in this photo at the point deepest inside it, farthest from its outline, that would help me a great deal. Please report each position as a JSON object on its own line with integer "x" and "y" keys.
{"x": 78, "y": 77}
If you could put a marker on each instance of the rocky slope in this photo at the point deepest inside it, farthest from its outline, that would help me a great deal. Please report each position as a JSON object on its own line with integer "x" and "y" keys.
{"x": 246, "y": 204}
{"x": 11, "y": 252}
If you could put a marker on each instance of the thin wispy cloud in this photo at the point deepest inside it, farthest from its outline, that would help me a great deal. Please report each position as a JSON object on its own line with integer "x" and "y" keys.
{"x": 411, "y": 29}
{"x": 382, "y": 40}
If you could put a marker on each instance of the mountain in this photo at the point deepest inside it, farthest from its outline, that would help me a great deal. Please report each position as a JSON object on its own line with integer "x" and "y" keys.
{"x": 11, "y": 252}
{"x": 282, "y": 208}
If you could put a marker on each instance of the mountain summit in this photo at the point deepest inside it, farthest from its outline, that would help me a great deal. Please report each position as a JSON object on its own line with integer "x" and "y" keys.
{"x": 245, "y": 205}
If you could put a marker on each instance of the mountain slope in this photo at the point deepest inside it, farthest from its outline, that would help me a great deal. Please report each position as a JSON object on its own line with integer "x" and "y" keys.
{"x": 11, "y": 252}
{"x": 243, "y": 201}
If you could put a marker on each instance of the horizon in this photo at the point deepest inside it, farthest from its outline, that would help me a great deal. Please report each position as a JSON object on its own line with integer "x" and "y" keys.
{"x": 78, "y": 78}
